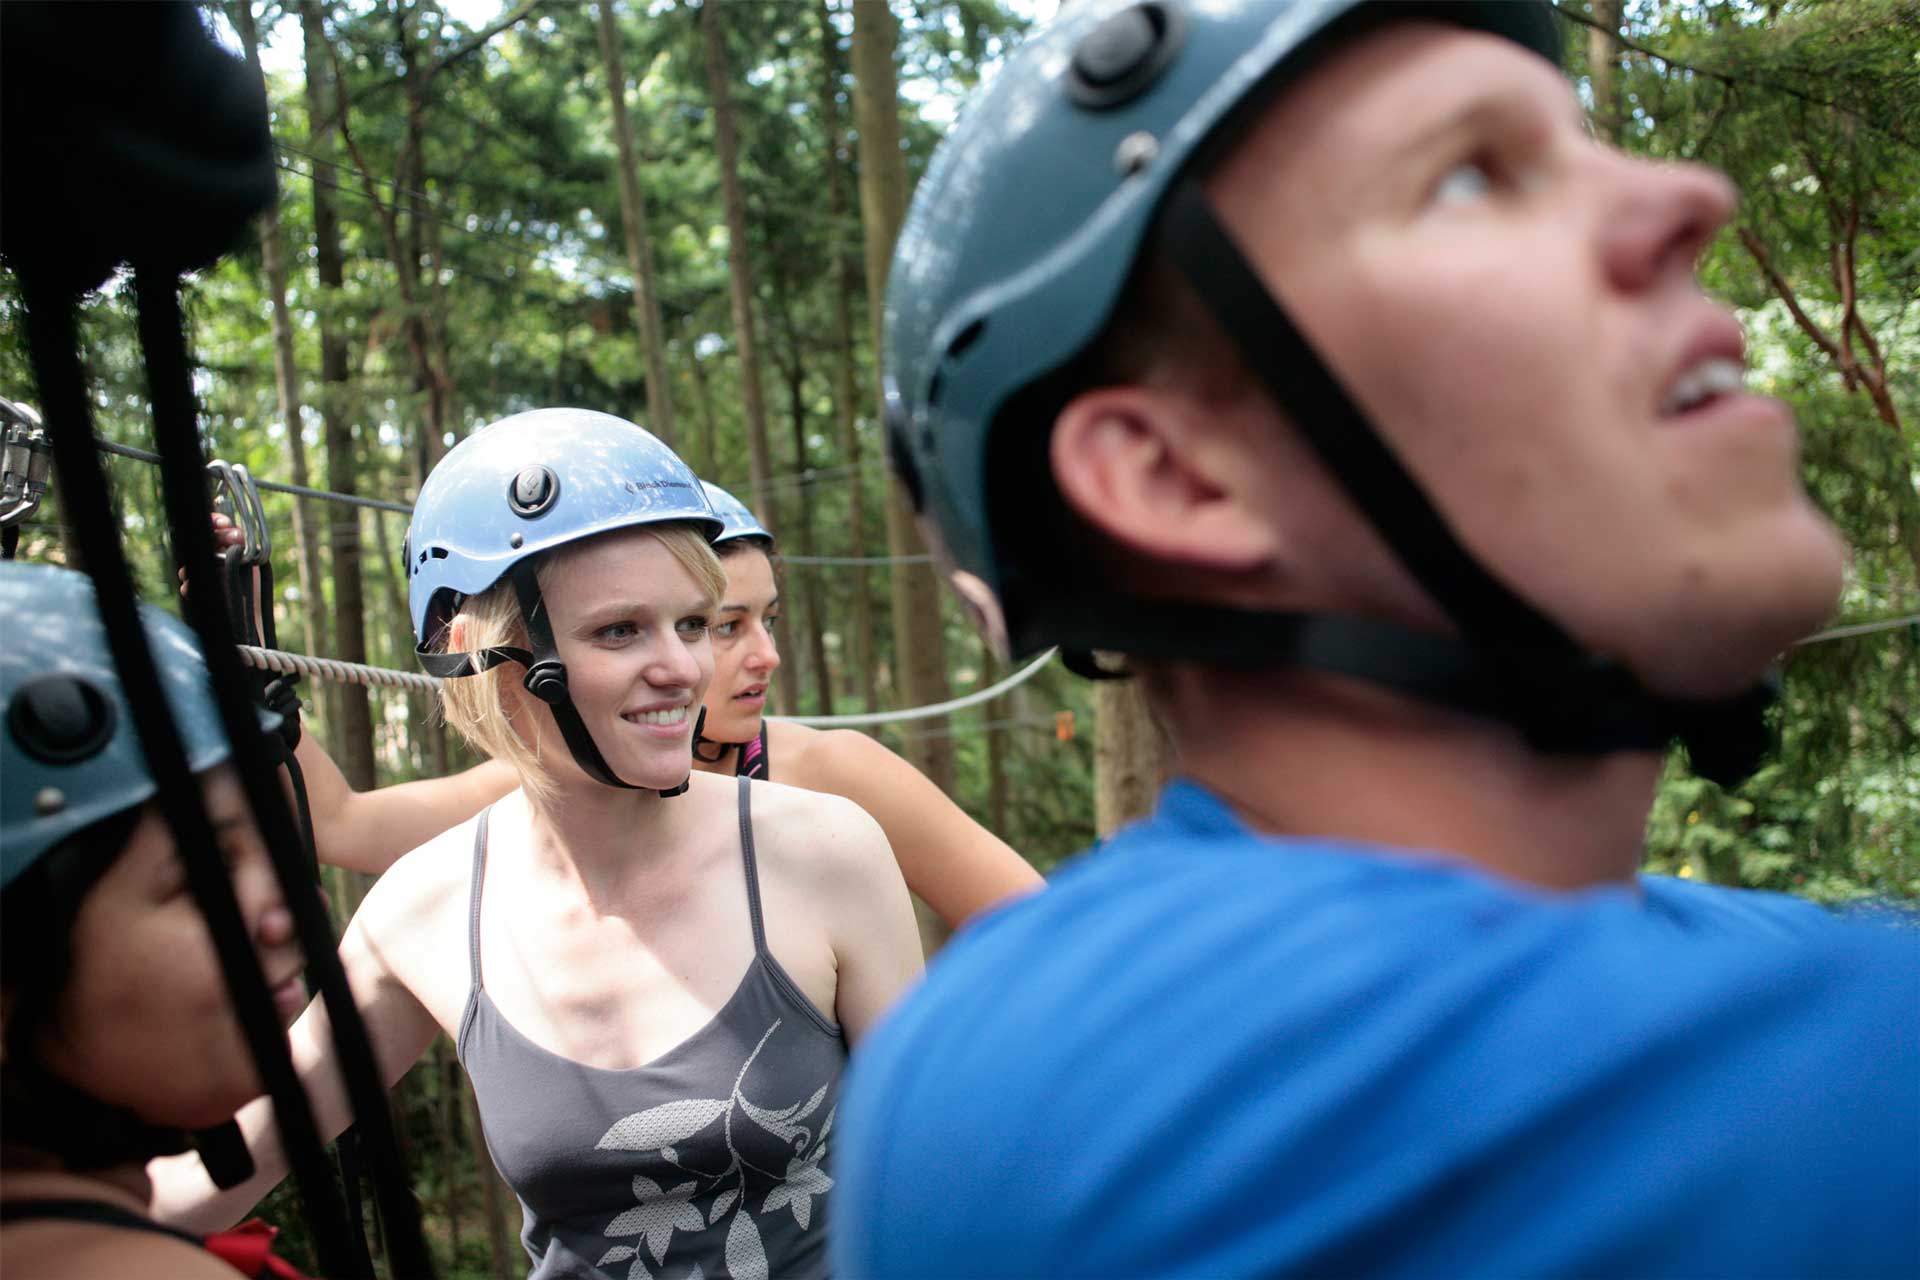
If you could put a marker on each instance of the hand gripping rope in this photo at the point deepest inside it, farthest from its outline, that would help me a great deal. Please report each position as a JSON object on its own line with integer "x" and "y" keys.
{"x": 149, "y": 105}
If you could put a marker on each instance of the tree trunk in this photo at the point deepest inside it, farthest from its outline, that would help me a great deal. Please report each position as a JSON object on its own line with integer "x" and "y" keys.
{"x": 919, "y": 645}
{"x": 354, "y": 744}
{"x": 739, "y": 267}
{"x": 1603, "y": 72}
{"x": 633, "y": 217}
{"x": 1130, "y": 755}
{"x": 845, "y": 395}
{"x": 309, "y": 572}
{"x": 703, "y": 395}
{"x": 812, "y": 597}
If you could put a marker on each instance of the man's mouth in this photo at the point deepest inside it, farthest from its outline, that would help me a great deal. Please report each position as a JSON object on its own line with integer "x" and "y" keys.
{"x": 1702, "y": 382}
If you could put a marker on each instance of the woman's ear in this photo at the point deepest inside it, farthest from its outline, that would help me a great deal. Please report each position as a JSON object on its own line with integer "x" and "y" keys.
{"x": 1154, "y": 472}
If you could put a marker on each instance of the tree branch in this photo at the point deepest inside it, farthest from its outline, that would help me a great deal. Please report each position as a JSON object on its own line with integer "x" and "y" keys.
{"x": 478, "y": 39}
{"x": 1780, "y": 286}
{"x": 1726, "y": 77}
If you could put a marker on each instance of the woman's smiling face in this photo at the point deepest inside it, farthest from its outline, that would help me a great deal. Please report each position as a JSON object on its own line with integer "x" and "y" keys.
{"x": 631, "y": 625}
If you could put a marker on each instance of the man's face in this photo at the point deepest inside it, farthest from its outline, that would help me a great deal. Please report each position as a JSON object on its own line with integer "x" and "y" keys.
{"x": 1514, "y": 306}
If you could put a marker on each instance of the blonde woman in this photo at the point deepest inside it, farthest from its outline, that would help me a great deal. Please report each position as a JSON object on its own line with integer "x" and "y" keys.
{"x": 652, "y": 976}
{"x": 958, "y": 866}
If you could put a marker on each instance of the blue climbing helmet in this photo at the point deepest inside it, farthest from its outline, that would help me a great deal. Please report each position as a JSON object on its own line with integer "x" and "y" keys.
{"x": 735, "y": 519}
{"x": 996, "y": 303}
{"x": 70, "y": 756}
{"x": 530, "y": 483}
{"x": 519, "y": 487}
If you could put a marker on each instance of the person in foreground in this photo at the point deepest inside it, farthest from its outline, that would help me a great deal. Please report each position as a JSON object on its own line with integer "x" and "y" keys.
{"x": 959, "y": 867}
{"x": 118, "y": 1034}
{"x": 651, "y": 978}
{"x": 1347, "y": 385}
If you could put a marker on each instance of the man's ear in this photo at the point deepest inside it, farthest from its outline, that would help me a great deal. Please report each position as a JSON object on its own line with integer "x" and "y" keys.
{"x": 1141, "y": 467}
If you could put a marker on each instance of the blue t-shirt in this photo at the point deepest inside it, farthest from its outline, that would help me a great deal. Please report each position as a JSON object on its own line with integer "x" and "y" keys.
{"x": 1207, "y": 1052}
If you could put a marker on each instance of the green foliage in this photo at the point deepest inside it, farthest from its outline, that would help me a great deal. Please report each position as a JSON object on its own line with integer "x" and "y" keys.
{"x": 1812, "y": 108}
{"x": 512, "y": 215}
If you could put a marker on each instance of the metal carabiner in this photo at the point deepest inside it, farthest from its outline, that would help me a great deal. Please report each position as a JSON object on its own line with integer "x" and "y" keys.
{"x": 26, "y": 462}
{"x": 261, "y": 534}
{"x": 234, "y": 496}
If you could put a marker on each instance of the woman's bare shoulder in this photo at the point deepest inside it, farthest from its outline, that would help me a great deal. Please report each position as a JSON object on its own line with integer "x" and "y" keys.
{"x": 90, "y": 1251}
{"x": 425, "y": 880}
{"x": 814, "y": 827}
{"x": 837, "y": 761}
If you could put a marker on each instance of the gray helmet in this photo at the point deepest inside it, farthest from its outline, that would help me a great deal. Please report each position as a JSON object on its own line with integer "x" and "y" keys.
{"x": 736, "y": 519}
{"x": 995, "y": 299}
{"x": 69, "y": 756}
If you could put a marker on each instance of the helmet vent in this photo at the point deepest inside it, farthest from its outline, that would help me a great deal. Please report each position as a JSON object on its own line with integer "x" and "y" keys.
{"x": 965, "y": 339}
{"x": 1116, "y": 61}
{"x": 60, "y": 719}
{"x": 533, "y": 491}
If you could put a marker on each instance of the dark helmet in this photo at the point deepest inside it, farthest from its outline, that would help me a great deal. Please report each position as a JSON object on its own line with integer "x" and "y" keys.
{"x": 513, "y": 489}
{"x": 69, "y": 757}
{"x": 995, "y": 299}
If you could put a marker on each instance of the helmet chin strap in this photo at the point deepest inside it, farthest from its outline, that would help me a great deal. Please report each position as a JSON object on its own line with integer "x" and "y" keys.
{"x": 1511, "y": 662}
{"x": 701, "y": 740}
{"x": 546, "y": 679}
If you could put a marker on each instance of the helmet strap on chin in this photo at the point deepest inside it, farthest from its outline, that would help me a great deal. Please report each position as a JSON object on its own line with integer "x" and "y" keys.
{"x": 700, "y": 739}
{"x": 545, "y": 679}
{"x": 1510, "y": 662}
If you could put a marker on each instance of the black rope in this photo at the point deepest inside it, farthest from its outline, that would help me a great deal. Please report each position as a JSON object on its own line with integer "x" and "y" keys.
{"x": 52, "y": 339}
{"x": 183, "y": 475}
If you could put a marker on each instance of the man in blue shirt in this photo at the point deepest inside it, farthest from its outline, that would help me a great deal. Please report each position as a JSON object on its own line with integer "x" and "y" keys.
{"x": 1312, "y": 355}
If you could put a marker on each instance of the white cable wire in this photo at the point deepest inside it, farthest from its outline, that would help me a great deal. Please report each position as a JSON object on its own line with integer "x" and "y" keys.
{"x": 973, "y": 699}
{"x": 1861, "y": 629}
{"x": 279, "y": 660}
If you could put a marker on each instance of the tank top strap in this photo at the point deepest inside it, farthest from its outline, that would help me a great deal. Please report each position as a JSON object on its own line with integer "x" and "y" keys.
{"x": 479, "y": 881}
{"x": 753, "y": 873}
{"x": 473, "y": 931}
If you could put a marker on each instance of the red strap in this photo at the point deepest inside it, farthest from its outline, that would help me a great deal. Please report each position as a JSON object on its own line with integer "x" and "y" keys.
{"x": 249, "y": 1249}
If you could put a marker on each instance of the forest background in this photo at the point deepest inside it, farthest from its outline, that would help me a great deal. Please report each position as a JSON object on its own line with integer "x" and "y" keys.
{"x": 681, "y": 214}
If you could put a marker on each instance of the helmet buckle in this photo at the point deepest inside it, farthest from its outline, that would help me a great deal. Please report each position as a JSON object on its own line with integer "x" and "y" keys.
{"x": 547, "y": 681}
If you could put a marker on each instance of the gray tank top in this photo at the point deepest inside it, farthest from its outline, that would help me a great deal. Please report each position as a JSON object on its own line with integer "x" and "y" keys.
{"x": 707, "y": 1162}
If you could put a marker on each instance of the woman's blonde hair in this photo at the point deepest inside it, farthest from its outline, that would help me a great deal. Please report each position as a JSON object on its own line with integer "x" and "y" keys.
{"x": 482, "y": 707}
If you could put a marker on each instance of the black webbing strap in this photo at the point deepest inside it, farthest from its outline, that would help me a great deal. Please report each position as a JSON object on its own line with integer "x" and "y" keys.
{"x": 1515, "y": 663}
{"x": 545, "y": 678}
{"x": 183, "y": 477}
{"x": 1317, "y": 406}
{"x": 83, "y": 490}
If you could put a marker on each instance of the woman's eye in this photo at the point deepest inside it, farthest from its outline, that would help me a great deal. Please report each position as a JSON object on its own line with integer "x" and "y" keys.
{"x": 617, "y": 631}
{"x": 1466, "y": 183}
{"x": 725, "y": 630}
{"x": 695, "y": 626}
{"x": 770, "y": 620}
